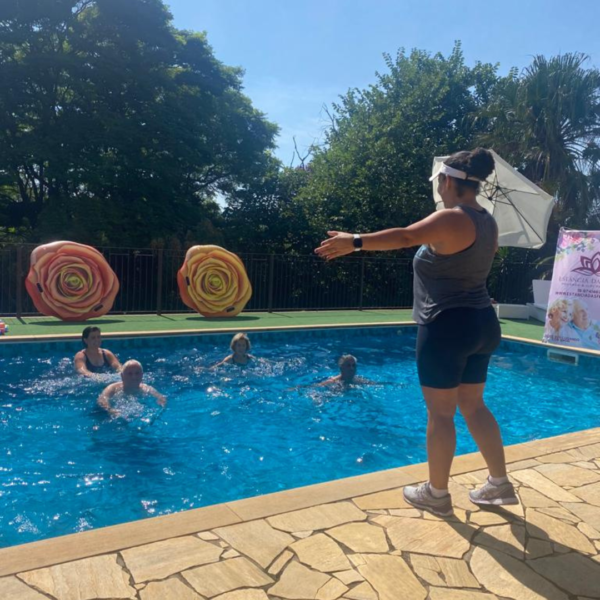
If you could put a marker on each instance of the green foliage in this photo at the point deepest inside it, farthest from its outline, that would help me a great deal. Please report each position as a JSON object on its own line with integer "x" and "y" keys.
{"x": 373, "y": 172}
{"x": 116, "y": 128}
{"x": 546, "y": 122}
{"x": 265, "y": 215}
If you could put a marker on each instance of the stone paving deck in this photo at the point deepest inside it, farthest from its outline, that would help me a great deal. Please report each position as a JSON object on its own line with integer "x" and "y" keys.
{"x": 353, "y": 539}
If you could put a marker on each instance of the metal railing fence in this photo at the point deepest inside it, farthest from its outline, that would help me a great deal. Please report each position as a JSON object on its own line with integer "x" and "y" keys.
{"x": 148, "y": 279}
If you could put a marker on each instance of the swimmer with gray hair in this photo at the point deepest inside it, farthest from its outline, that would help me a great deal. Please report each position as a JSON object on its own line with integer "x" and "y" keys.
{"x": 347, "y": 364}
{"x": 131, "y": 384}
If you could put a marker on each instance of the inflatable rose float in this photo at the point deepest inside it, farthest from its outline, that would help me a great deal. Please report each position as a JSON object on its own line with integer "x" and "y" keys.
{"x": 71, "y": 281}
{"x": 213, "y": 282}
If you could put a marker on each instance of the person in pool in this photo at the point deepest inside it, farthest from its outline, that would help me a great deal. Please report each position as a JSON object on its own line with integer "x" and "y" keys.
{"x": 240, "y": 346}
{"x": 130, "y": 385}
{"x": 93, "y": 359}
{"x": 347, "y": 364}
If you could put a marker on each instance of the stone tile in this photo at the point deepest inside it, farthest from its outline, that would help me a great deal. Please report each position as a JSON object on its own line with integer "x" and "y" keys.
{"x": 247, "y": 594}
{"x": 230, "y": 554}
{"x": 475, "y": 478}
{"x": 302, "y": 534}
{"x": 560, "y": 549}
{"x": 98, "y": 577}
{"x": 223, "y": 544}
{"x": 536, "y": 480}
{"x": 297, "y": 581}
{"x": 511, "y": 578}
{"x": 489, "y": 518}
{"x": 564, "y": 474}
{"x": 318, "y": 517}
{"x": 586, "y": 512}
{"x": 12, "y": 588}
{"x": 446, "y": 594}
{"x": 207, "y": 536}
{"x": 321, "y": 553}
{"x": 332, "y": 590}
{"x": 460, "y": 497}
{"x": 509, "y": 539}
{"x": 356, "y": 559}
{"x": 557, "y": 457}
{"x": 382, "y": 500}
{"x": 389, "y": 574}
{"x": 405, "y": 512}
{"x": 225, "y": 576}
{"x": 589, "y": 532}
{"x": 597, "y": 463}
{"x": 537, "y": 548}
{"x": 522, "y": 464}
{"x": 589, "y": 493}
{"x": 162, "y": 559}
{"x": 560, "y": 513}
{"x": 364, "y": 591}
{"x": 360, "y": 537}
{"x": 445, "y": 572}
{"x": 459, "y": 515}
{"x": 428, "y": 537}
{"x": 169, "y": 589}
{"x": 532, "y": 499}
{"x": 257, "y": 540}
{"x": 586, "y": 465}
{"x": 550, "y": 529}
{"x": 586, "y": 452}
{"x": 281, "y": 561}
{"x": 348, "y": 577}
{"x": 573, "y": 572}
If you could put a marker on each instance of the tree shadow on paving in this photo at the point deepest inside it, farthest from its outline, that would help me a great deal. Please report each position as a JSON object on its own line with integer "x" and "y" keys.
{"x": 558, "y": 575}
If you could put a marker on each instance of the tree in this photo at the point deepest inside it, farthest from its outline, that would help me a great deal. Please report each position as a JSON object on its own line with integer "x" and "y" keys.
{"x": 373, "y": 171}
{"x": 264, "y": 216}
{"x": 546, "y": 122}
{"x": 114, "y": 126}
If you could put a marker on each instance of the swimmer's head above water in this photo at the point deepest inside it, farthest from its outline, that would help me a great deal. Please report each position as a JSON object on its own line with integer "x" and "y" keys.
{"x": 132, "y": 375}
{"x": 347, "y": 364}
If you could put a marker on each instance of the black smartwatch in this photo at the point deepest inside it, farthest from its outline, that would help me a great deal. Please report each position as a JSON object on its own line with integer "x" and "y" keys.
{"x": 357, "y": 242}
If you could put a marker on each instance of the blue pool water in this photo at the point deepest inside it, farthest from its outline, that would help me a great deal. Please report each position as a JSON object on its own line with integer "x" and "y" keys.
{"x": 65, "y": 466}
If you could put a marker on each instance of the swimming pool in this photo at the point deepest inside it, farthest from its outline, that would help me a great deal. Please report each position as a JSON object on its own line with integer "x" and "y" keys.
{"x": 239, "y": 432}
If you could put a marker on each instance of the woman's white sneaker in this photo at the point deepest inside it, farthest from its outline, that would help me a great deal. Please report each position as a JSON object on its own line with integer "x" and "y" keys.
{"x": 494, "y": 495}
{"x": 420, "y": 496}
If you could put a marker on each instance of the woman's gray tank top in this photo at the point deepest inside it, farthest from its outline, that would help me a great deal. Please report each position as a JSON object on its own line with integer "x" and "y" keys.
{"x": 455, "y": 280}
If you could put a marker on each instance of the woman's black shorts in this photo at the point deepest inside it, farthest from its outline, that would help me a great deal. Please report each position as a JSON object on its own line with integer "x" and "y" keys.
{"x": 456, "y": 347}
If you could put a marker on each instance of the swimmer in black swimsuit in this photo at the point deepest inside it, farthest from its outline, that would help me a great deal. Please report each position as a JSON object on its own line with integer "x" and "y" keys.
{"x": 240, "y": 346}
{"x": 93, "y": 359}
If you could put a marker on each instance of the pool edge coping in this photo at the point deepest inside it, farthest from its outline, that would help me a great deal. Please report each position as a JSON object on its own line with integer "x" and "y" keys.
{"x": 116, "y": 335}
{"x": 115, "y": 538}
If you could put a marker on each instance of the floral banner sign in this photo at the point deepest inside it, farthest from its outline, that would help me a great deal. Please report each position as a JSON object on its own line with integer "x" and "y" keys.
{"x": 573, "y": 317}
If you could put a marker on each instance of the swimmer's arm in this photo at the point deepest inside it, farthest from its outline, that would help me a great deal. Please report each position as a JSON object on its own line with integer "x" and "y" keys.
{"x": 225, "y": 361}
{"x": 80, "y": 365}
{"x": 329, "y": 381}
{"x": 113, "y": 361}
{"x": 104, "y": 399}
{"x": 160, "y": 399}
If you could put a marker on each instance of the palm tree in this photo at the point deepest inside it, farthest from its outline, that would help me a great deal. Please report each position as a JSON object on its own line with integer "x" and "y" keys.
{"x": 546, "y": 122}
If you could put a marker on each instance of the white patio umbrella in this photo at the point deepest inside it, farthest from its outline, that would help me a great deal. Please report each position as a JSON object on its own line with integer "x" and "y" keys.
{"x": 521, "y": 209}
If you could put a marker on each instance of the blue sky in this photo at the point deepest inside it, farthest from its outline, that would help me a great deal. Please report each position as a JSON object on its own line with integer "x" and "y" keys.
{"x": 300, "y": 56}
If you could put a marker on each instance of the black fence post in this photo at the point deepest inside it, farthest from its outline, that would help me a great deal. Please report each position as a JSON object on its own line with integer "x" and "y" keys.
{"x": 362, "y": 282}
{"x": 271, "y": 277}
{"x": 159, "y": 282}
{"x": 19, "y": 310}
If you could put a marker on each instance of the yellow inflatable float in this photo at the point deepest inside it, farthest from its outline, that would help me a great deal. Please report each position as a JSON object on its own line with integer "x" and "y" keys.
{"x": 214, "y": 282}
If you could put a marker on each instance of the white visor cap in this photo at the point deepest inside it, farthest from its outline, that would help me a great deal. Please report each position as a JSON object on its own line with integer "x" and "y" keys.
{"x": 452, "y": 172}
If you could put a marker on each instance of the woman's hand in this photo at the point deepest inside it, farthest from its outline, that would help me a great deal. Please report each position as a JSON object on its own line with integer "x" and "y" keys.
{"x": 338, "y": 244}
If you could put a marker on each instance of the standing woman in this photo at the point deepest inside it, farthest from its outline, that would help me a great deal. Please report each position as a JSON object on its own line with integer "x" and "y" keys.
{"x": 93, "y": 359}
{"x": 457, "y": 327}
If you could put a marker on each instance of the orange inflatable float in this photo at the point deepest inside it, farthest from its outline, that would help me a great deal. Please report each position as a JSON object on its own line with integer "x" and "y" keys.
{"x": 71, "y": 281}
{"x": 213, "y": 281}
